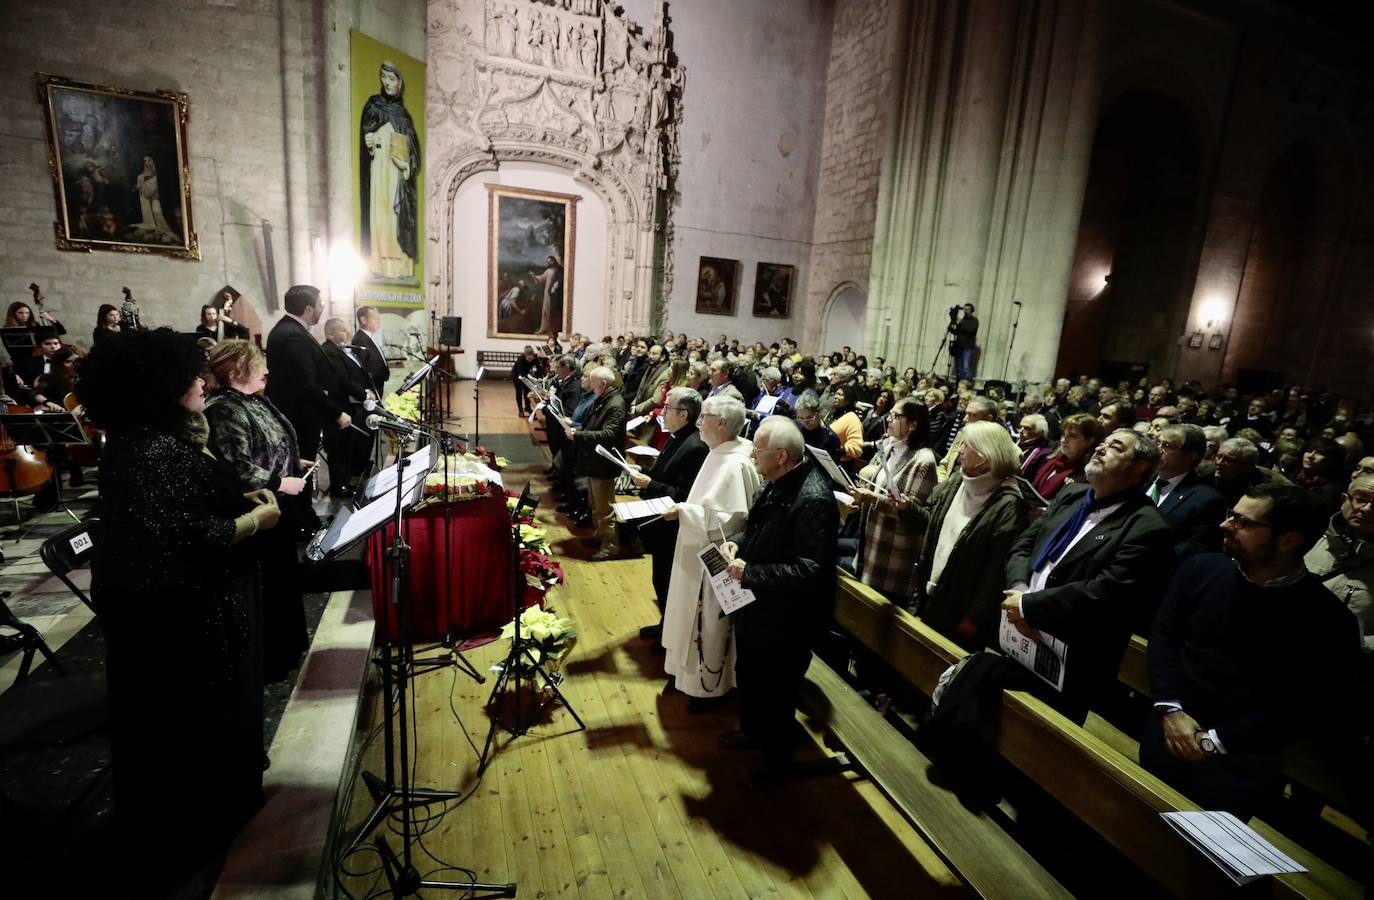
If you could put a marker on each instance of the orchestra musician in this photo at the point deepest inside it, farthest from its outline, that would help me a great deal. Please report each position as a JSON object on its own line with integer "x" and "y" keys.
{"x": 107, "y": 324}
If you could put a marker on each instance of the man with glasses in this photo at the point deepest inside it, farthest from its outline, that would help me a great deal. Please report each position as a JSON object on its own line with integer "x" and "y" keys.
{"x": 1248, "y": 653}
{"x": 1089, "y": 568}
{"x": 1344, "y": 557}
{"x": 1192, "y": 508}
{"x": 672, "y": 475}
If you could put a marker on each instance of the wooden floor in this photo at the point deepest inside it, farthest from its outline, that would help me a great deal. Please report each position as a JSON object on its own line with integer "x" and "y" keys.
{"x": 642, "y": 803}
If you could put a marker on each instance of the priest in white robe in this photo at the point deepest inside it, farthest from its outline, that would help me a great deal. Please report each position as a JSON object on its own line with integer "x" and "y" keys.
{"x": 698, "y": 645}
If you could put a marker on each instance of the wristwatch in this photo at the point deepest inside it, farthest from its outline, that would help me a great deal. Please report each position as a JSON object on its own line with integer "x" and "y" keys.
{"x": 1206, "y": 744}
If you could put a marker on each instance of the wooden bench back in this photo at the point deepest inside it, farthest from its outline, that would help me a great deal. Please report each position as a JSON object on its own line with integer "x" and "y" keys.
{"x": 1110, "y": 793}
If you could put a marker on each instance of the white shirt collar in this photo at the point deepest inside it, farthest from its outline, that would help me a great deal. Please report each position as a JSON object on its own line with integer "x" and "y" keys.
{"x": 298, "y": 319}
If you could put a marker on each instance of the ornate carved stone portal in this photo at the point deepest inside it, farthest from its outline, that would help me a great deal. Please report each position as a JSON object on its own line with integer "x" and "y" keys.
{"x": 570, "y": 83}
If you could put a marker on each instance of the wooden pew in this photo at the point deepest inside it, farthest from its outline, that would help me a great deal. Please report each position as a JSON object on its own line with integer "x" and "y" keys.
{"x": 973, "y": 845}
{"x": 1110, "y": 793}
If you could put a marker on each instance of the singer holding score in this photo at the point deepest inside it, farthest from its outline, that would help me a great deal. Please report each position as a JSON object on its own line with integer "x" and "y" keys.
{"x": 174, "y": 575}
{"x": 258, "y": 443}
{"x": 348, "y": 448}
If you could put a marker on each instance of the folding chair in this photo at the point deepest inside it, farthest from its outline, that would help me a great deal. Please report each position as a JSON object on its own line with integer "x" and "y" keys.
{"x": 27, "y": 641}
{"x": 71, "y": 549}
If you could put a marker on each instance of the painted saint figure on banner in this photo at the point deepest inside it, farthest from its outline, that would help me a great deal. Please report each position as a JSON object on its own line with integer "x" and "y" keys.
{"x": 389, "y": 174}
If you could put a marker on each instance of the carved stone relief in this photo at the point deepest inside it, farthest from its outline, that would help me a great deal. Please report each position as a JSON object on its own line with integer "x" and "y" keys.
{"x": 576, "y": 84}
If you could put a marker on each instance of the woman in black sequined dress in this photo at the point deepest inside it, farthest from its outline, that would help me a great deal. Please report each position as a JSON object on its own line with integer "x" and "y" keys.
{"x": 174, "y": 580}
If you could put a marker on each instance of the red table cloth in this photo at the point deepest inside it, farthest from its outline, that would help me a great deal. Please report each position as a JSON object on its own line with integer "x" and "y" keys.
{"x": 480, "y": 553}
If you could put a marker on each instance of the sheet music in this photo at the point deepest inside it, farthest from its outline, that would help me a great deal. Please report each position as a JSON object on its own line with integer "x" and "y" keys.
{"x": 766, "y": 404}
{"x": 384, "y": 482}
{"x": 641, "y": 509}
{"x": 351, "y": 525}
{"x": 836, "y": 474}
{"x": 647, "y": 452}
{"x": 635, "y": 422}
{"x": 1046, "y": 657}
{"x": 1231, "y": 845}
{"x": 619, "y": 461}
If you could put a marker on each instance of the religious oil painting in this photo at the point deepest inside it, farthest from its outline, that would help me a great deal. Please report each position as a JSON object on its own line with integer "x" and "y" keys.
{"x": 717, "y": 282}
{"x": 388, "y": 139}
{"x": 773, "y": 290}
{"x": 120, "y": 166}
{"x": 531, "y": 241}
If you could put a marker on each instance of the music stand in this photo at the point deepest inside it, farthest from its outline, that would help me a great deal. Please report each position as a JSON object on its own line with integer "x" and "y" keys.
{"x": 48, "y": 429}
{"x": 520, "y": 653}
{"x": 19, "y": 340}
{"x": 393, "y": 794}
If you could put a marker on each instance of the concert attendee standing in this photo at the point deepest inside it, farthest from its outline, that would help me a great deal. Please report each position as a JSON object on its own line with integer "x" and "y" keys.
{"x": 173, "y": 578}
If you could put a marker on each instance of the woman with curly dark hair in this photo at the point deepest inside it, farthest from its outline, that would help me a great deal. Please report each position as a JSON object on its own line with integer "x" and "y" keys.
{"x": 174, "y": 581}
{"x": 1323, "y": 471}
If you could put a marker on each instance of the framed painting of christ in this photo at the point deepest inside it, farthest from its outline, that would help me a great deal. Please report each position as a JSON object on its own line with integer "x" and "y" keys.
{"x": 531, "y": 243}
{"x": 120, "y": 168}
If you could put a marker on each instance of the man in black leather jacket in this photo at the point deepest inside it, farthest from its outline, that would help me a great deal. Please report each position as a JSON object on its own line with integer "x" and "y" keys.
{"x": 787, "y": 558}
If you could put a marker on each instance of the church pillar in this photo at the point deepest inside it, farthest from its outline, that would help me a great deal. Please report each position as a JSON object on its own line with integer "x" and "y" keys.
{"x": 982, "y": 183}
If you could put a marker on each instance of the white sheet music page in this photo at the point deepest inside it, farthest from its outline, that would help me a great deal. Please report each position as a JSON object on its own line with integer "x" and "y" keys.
{"x": 641, "y": 509}
{"x": 1231, "y": 845}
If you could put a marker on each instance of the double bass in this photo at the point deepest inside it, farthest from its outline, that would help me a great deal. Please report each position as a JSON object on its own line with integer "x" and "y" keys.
{"x": 23, "y": 470}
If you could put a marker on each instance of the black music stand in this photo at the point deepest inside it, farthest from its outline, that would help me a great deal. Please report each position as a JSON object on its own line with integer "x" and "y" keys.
{"x": 520, "y": 654}
{"x": 393, "y": 794}
{"x": 49, "y": 429}
{"x": 20, "y": 341}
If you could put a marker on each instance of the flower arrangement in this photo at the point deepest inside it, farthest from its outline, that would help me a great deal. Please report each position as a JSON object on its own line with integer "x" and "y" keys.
{"x": 533, "y": 537}
{"x": 468, "y": 479}
{"x": 406, "y": 405}
{"x": 548, "y": 636}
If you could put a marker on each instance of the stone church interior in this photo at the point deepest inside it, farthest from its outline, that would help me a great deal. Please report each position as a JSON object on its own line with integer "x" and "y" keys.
{"x": 422, "y": 420}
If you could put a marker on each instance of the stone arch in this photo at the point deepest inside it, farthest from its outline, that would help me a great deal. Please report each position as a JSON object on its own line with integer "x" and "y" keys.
{"x": 843, "y": 317}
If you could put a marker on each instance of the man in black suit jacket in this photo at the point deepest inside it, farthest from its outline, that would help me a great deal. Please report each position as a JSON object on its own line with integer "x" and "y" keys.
{"x": 567, "y": 387}
{"x": 348, "y": 450}
{"x": 300, "y": 381}
{"x": 1192, "y": 508}
{"x": 671, "y": 476}
{"x": 369, "y": 336}
{"x": 1084, "y": 570}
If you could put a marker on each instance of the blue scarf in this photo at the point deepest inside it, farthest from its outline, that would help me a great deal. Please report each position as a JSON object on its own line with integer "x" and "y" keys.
{"x": 1059, "y": 542}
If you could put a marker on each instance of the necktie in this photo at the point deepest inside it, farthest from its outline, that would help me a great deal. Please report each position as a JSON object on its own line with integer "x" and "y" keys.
{"x": 1155, "y": 489}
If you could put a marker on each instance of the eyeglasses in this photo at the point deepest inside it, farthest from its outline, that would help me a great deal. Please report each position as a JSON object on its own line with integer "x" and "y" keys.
{"x": 1169, "y": 445}
{"x": 1360, "y": 500}
{"x": 1245, "y": 521}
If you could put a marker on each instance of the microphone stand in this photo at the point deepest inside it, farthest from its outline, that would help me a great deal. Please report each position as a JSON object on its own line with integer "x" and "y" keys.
{"x": 1006, "y": 364}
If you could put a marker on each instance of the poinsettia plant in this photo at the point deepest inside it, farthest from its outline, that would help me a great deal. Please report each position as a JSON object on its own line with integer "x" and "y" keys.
{"x": 548, "y": 636}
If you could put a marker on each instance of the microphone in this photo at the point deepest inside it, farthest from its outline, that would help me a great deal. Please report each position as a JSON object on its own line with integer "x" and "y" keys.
{"x": 375, "y": 421}
{"x": 1016, "y": 303}
{"x": 361, "y": 347}
{"x": 372, "y": 406}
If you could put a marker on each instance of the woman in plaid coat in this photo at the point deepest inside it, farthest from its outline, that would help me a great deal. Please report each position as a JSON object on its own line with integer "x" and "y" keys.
{"x": 902, "y": 476}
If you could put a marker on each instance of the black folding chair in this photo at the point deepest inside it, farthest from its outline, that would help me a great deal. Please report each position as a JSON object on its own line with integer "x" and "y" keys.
{"x": 71, "y": 549}
{"x": 27, "y": 641}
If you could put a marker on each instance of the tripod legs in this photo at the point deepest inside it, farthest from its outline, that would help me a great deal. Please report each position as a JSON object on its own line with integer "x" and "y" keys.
{"x": 510, "y": 672}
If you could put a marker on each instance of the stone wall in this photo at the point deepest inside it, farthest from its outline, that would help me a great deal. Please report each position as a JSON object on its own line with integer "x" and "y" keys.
{"x": 865, "y": 50}
{"x": 263, "y": 147}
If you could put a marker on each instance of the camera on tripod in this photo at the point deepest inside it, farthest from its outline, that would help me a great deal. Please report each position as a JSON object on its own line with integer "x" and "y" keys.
{"x": 954, "y": 312}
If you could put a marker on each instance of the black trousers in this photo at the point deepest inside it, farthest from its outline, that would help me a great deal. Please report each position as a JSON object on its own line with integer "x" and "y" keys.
{"x": 660, "y": 540}
{"x": 769, "y": 674}
{"x": 1240, "y": 783}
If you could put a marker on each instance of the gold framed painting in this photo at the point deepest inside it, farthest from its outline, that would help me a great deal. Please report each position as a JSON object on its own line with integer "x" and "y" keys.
{"x": 531, "y": 242}
{"x": 120, "y": 166}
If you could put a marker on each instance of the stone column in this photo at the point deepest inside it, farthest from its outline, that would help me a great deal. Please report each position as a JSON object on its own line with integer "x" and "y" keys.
{"x": 983, "y": 180}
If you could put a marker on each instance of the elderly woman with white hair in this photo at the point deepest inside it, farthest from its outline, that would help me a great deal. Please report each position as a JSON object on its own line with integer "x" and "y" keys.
{"x": 699, "y": 651}
{"x": 603, "y": 427}
{"x": 975, "y": 517}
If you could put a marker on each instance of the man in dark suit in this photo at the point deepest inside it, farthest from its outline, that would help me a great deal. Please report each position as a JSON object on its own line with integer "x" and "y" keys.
{"x": 300, "y": 379}
{"x": 604, "y": 427}
{"x": 369, "y": 336}
{"x": 1083, "y": 571}
{"x": 1192, "y": 508}
{"x": 567, "y": 387}
{"x": 28, "y": 369}
{"x": 672, "y": 475}
{"x": 348, "y": 450}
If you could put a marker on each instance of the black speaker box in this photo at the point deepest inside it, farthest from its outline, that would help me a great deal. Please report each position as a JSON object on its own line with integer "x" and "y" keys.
{"x": 451, "y": 331}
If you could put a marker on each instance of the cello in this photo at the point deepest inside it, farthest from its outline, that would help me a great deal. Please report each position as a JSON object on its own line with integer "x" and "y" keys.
{"x": 23, "y": 470}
